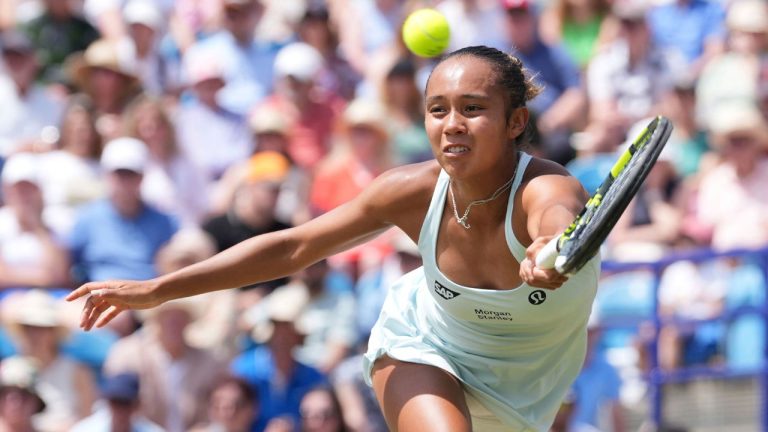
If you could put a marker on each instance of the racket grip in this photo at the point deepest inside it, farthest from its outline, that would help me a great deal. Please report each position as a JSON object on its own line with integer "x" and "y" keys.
{"x": 548, "y": 254}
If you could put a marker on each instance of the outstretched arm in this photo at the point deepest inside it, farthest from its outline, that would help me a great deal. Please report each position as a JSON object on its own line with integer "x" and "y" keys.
{"x": 265, "y": 257}
{"x": 551, "y": 201}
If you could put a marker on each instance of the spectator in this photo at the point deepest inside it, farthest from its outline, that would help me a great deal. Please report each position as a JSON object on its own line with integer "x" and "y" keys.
{"x": 405, "y": 109}
{"x": 70, "y": 175}
{"x": 561, "y": 106}
{"x": 211, "y": 135}
{"x": 629, "y": 79}
{"x": 118, "y": 237}
{"x": 271, "y": 133}
{"x": 20, "y": 398}
{"x": 321, "y": 411}
{"x": 232, "y": 406}
{"x": 564, "y": 417}
{"x": 247, "y": 62}
{"x": 34, "y": 320}
{"x": 652, "y": 222}
{"x": 145, "y": 23}
{"x": 311, "y": 113}
{"x": 688, "y": 142}
{"x": 481, "y": 23}
{"x": 107, "y": 74}
{"x": 175, "y": 376}
{"x": 330, "y": 317}
{"x": 362, "y": 152}
{"x": 214, "y": 327}
{"x": 119, "y": 408}
{"x": 29, "y": 109}
{"x": 172, "y": 184}
{"x": 56, "y": 34}
{"x": 734, "y": 75}
{"x": 280, "y": 379}
{"x": 580, "y": 26}
{"x": 367, "y": 30}
{"x": 31, "y": 255}
{"x": 252, "y": 207}
{"x": 732, "y": 198}
{"x": 316, "y": 29}
{"x": 596, "y": 389}
{"x": 691, "y": 31}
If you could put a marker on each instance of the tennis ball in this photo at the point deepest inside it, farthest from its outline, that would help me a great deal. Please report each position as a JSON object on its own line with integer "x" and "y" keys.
{"x": 426, "y": 32}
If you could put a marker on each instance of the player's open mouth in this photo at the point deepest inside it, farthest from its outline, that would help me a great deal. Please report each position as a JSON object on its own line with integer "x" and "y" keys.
{"x": 455, "y": 149}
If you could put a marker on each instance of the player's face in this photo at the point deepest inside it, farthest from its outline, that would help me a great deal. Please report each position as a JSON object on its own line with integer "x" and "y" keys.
{"x": 466, "y": 118}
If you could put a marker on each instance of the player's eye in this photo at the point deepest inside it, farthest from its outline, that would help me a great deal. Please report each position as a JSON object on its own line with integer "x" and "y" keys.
{"x": 436, "y": 110}
{"x": 473, "y": 108}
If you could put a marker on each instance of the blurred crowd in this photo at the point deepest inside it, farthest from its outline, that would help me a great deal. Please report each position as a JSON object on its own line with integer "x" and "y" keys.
{"x": 140, "y": 136}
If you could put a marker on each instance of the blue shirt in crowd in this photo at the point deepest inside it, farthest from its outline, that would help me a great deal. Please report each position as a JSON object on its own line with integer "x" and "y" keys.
{"x": 683, "y": 28}
{"x": 258, "y": 368}
{"x": 106, "y": 245}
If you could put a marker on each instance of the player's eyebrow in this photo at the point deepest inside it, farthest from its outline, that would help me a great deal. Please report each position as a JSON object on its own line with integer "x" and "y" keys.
{"x": 437, "y": 98}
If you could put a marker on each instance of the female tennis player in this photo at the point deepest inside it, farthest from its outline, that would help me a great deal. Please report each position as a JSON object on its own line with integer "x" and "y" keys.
{"x": 479, "y": 337}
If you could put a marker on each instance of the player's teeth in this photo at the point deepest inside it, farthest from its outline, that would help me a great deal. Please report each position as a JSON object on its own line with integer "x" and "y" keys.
{"x": 457, "y": 149}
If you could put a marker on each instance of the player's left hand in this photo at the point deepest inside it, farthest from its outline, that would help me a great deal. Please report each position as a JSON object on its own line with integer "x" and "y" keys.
{"x": 535, "y": 276}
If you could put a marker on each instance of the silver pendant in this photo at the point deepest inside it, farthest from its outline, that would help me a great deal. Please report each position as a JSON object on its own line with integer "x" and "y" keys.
{"x": 463, "y": 222}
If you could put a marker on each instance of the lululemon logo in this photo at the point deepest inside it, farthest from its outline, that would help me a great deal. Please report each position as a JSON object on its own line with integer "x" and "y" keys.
{"x": 537, "y": 297}
{"x": 445, "y": 292}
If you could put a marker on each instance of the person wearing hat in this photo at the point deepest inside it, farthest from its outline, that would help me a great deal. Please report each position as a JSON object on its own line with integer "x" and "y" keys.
{"x": 31, "y": 253}
{"x": 145, "y": 23}
{"x": 34, "y": 319}
{"x": 20, "y": 398}
{"x": 281, "y": 380}
{"x": 311, "y": 112}
{"x": 28, "y": 107}
{"x": 57, "y": 33}
{"x": 732, "y": 198}
{"x": 735, "y": 73}
{"x": 214, "y": 137}
{"x": 251, "y": 209}
{"x": 120, "y": 235}
{"x": 271, "y": 132}
{"x": 118, "y": 410}
{"x": 361, "y": 153}
{"x": 247, "y": 60}
{"x": 106, "y": 72}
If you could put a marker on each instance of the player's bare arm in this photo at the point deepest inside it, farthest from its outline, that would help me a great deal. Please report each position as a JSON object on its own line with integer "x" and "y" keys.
{"x": 399, "y": 197}
{"x": 551, "y": 200}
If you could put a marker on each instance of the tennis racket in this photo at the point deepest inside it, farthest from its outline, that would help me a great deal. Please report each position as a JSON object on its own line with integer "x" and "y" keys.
{"x": 570, "y": 251}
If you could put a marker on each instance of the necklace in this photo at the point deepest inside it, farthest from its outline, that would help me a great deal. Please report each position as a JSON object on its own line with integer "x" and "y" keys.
{"x": 463, "y": 219}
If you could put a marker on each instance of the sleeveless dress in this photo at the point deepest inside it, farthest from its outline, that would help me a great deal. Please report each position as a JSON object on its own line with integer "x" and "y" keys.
{"x": 516, "y": 351}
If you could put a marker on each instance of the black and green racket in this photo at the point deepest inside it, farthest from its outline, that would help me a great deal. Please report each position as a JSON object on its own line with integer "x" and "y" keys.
{"x": 569, "y": 252}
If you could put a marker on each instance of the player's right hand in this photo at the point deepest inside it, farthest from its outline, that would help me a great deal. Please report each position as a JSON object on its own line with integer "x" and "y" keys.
{"x": 105, "y": 300}
{"x": 536, "y": 276}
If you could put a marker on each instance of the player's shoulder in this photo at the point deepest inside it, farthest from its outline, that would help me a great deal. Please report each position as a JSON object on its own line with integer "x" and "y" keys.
{"x": 404, "y": 187}
{"x": 418, "y": 178}
{"x": 544, "y": 174}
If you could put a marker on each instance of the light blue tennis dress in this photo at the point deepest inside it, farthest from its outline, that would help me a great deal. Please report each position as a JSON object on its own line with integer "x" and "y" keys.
{"x": 517, "y": 351}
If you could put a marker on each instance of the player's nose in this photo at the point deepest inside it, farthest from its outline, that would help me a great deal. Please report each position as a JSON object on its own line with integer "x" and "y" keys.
{"x": 455, "y": 123}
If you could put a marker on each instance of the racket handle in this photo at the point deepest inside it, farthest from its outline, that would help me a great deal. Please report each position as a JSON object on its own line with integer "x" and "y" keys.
{"x": 548, "y": 254}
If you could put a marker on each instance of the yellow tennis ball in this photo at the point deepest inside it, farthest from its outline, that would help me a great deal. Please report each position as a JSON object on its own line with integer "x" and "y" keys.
{"x": 426, "y": 32}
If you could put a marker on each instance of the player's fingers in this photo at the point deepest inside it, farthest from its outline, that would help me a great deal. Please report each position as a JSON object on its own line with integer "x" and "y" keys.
{"x": 111, "y": 313}
{"x": 98, "y": 307}
{"x": 83, "y": 290}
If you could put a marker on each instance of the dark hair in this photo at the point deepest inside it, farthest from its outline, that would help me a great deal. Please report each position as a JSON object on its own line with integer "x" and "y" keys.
{"x": 510, "y": 75}
{"x": 248, "y": 392}
{"x": 331, "y": 392}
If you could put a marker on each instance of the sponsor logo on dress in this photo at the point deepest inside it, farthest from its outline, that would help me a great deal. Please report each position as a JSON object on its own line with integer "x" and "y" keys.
{"x": 445, "y": 292}
{"x": 485, "y": 314}
{"x": 537, "y": 297}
